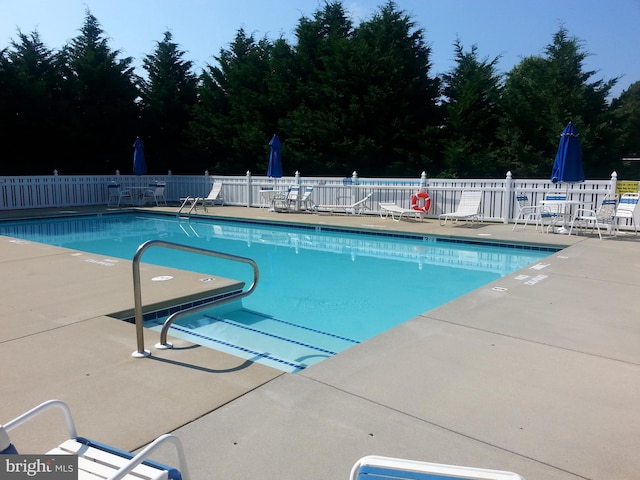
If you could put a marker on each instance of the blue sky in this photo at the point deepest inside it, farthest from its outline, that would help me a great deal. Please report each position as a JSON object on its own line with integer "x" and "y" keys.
{"x": 511, "y": 28}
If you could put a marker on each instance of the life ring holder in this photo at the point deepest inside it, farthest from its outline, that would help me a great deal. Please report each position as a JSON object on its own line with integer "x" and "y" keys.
{"x": 421, "y": 202}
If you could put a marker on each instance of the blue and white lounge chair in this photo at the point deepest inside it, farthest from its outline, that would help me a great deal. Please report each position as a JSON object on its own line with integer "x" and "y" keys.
{"x": 626, "y": 209}
{"x": 381, "y": 468}
{"x": 97, "y": 460}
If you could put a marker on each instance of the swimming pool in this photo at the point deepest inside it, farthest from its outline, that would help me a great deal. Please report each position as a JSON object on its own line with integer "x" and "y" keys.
{"x": 321, "y": 289}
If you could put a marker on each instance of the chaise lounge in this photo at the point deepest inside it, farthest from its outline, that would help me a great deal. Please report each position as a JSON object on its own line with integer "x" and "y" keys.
{"x": 387, "y": 208}
{"x": 97, "y": 460}
{"x": 468, "y": 208}
{"x": 355, "y": 208}
{"x": 215, "y": 195}
{"x": 379, "y": 468}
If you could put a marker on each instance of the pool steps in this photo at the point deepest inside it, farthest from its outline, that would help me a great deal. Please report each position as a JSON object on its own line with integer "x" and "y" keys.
{"x": 265, "y": 339}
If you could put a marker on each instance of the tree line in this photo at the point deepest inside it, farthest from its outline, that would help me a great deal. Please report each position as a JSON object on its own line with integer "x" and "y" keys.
{"x": 343, "y": 97}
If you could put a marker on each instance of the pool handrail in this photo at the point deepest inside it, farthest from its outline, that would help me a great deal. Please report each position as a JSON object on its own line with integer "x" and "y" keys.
{"x": 137, "y": 291}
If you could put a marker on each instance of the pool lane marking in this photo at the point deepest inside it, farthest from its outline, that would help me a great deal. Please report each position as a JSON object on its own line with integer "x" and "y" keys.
{"x": 267, "y": 356}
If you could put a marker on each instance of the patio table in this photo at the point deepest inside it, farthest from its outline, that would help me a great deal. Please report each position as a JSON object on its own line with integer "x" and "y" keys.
{"x": 137, "y": 193}
{"x": 270, "y": 197}
{"x": 564, "y": 210}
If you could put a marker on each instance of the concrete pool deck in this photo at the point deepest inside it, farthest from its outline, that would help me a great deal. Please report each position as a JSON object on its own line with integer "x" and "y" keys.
{"x": 537, "y": 372}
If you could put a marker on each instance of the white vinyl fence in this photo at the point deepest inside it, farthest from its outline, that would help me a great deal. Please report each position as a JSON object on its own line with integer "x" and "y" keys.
{"x": 498, "y": 202}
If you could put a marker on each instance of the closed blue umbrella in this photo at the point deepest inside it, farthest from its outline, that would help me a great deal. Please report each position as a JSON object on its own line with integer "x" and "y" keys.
{"x": 139, "y": 165}
{"x": 275, "y": 159}
{"x": 567, "y": 167}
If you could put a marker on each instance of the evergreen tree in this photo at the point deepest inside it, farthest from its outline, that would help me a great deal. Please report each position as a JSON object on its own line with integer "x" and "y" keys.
{"x": 626, "y": 121}
{"x": 31, "y": 108}
{"x": 313, "y": 131}
{"x": 472, "y": 93}
{"x": 352, "y": 112}
{"x": 541, "y": 95}
{"x": 284, "y": 97}
{"x": 101, "y": 91}
{"x": 392, "y": 114}
{"x": 167, "y": 101}
{"x": 234, "y": 117}
{"x": 342, "y": 98}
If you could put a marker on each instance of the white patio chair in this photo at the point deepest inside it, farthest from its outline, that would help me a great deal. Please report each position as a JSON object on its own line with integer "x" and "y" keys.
{"x": 585, "y": 218}
{"x": 468, "y": 208}
{"x": 374, "y": 467}
{"x": 526, "y": 211}
{"x": 118, "y": 195}
{"x": 155, "y": 193}
{"x": 626, "y": 209}
{"x": 291, "y": 200}
{"x": 285, "y": 199}
{"x": 305, "y": 200}
{"x": 551, "y": 212}
{"x": 97, "y": 460}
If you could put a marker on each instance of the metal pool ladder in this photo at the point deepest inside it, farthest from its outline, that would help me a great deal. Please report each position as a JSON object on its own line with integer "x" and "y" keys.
{"x": 137, "y": 293}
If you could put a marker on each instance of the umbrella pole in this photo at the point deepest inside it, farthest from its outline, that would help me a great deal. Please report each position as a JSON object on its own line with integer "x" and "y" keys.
{"x": 563, "y": 229}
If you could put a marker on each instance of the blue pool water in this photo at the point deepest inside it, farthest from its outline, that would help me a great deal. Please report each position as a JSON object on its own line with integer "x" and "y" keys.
{"x": 321, "y": 290}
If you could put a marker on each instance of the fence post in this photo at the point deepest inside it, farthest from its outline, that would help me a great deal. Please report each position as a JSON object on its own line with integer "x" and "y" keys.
{"x": 423, "y": 181}
{"x": 354, "y": 189}
{"x": 56, "y": 188}
{"x": 169, "y": 185}
{"x": 613, "y": 182}
{"x": 507, "y": 200}
{"x": 249, "y": 189}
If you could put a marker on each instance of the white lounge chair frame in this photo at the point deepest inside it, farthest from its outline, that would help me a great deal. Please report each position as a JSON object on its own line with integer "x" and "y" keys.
{"x": 97, "y": 460}
{"x": 379, "y": 468}
{"x": 604, "y": 216}
{"x": 215, "y": 195}
{"x": 468, "y": 208}
{"x": 390, "y": 208}
{"x": 355, "y": 208}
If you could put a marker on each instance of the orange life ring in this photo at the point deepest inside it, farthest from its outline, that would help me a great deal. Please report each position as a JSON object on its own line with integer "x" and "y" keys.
{"x": 421, "y": 198}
